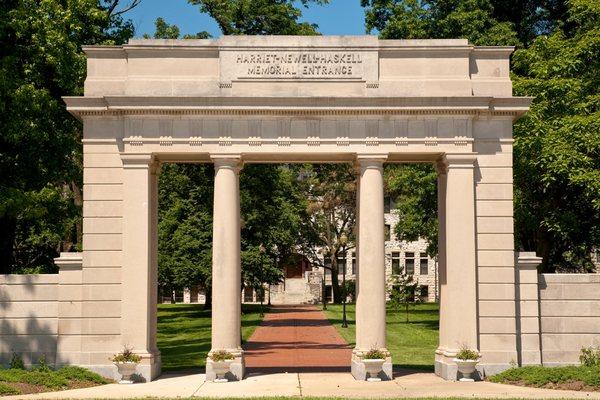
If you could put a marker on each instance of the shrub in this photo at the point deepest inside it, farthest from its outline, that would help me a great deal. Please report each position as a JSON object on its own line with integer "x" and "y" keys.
{"x": 6, "y": 390}
{"x": 48, "y": 379}
{"x": 42, "y": 365}
{"x": 126, "y": 356}
{"x": 590, "y": 357}
{"x": 467, "y": 354}
{"x": 80, "y": 374}
{"x": 221, "y": 355}
{"x": 375, "y": 354}
{"x": 16, "y": 362}
{"x": 539, "y": 376}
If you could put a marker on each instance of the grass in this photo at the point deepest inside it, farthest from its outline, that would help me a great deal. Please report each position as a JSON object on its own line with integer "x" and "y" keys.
{"x": 184, "y": 333}
{"x": 21, "y": 381}
{"x": 412, "y": 343}
{"x": 569, "y": 377}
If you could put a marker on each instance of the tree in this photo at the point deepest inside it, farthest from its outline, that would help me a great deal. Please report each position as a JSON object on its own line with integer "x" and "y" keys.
{"x": 40, "y": 143}
{"x": 557, "y": 145}
{"x": 403, "y": 291}
{"x": 413, "y": 187}
{"x": 271, "y": 203}
{"x": 328, "y": 230}
{"x": 185, "y": 227}
{"x": 556, "y": 157}
{"x": 164, "y": 30}
{"x": 258, "y": 17}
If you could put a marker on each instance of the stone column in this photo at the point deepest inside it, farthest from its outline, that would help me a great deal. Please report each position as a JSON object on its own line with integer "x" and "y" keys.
{"x": 139, "y": 290}
{"x": 458, "y": 282}
{"x": 370, "y": 301}
{"x": 528, "y": 312}
{"x": 226, "y": 265}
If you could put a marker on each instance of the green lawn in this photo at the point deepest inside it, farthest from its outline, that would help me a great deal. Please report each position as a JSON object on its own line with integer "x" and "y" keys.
{"x": 412, "y": 344}
{"x": 184, "y": 333}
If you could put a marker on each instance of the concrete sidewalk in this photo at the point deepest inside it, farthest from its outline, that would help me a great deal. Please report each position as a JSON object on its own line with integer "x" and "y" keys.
{"x": 310, "y": 384}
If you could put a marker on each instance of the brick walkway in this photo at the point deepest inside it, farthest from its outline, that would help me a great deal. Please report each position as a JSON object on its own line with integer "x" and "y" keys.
{"x": 297, "y": 339}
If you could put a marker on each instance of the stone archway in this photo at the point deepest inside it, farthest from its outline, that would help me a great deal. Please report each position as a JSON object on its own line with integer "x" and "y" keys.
{"x": 240, "y": 100}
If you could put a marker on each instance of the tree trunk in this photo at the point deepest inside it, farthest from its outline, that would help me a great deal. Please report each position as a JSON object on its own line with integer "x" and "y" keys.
{"x": 208, "y": 298}
{"x": 7, "y": 239}
{"x": 335, "y": 282}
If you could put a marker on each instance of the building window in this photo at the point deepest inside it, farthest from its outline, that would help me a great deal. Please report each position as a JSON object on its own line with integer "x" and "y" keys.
{"x": 248, "y": 294}
{"x": 341, "y": 263}
{"x": 387, "y": 204}
{"x": 424, "y": 266}
{"x": 424, "y": 292}
{"x": 353, "y": 271}
{"x": 387, "y": 232}
{"x": 396, "y": 268}
{"x": 409, "y": 262}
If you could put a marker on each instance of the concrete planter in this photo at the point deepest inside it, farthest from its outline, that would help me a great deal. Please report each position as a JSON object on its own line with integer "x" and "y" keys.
{"x": 466, "y": 368}
{"x": 221, "y": 368}
{"x": 126, "y": 370}
{"x": 373, "y": 368}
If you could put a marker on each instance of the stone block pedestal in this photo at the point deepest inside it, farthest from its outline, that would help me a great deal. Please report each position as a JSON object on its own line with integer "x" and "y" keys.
{"x": 237, "y": 368}
{"x": 360, "y": 374}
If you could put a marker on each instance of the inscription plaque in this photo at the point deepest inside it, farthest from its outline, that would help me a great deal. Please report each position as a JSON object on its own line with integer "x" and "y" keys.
{"x": 299, "y": 65}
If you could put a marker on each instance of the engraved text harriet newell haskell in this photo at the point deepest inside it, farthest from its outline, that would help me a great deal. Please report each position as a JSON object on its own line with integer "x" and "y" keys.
{"x": 299, "y": 65}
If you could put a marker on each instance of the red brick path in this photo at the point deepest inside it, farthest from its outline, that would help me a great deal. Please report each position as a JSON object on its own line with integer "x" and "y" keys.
{"x": 296, "y": 339}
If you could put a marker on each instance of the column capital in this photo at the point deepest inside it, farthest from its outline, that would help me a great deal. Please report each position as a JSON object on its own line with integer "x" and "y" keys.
{"x": 227, "y": 161}
{"x": 453, "y": 161}
{"x": 136, "y": 160}
{"x": 370, "y": 160}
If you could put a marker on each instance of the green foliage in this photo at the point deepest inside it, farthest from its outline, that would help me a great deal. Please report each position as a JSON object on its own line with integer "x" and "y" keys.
{"x": 8, "y": 390}
{"x": 539, "y": 376}
{"x": 258, "y": 17}
{"x": 417, "y": 19}
{"x": 42, "y": 365}
{"x": 45, "y": 377}
{"x": 73, "y": 373}
{"x": 16, "y": 361}
{"x": 466, "y": 353}
{"x": 403, "y": 291}
{"x": 49, "y": 379}
{"x": 557, "y": 146}
{"x": 40, "y": 143}
{"x": 590, "y": 357}
{"x": 126, "y": 356}
{"x": 164, "y": 30}
{"x": 413, "y": 187}
{"x": 375, "y": 354}
{"x": 221, "y": 355}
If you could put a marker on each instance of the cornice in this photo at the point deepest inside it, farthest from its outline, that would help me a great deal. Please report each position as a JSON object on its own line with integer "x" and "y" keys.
{"x": 296, "y": 106}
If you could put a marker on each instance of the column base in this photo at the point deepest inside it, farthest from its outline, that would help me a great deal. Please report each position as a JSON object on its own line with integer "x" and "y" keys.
{"x": 357, "y": 367}
{"x": 237, "y": 368}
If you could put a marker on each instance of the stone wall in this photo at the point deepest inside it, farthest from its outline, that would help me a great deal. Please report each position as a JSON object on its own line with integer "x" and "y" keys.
{"x": 28, "y": 317}
{"x": 570, "y": 316}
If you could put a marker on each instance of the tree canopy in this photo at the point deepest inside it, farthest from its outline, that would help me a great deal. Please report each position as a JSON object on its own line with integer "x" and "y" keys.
{"x": 556, "y": 153}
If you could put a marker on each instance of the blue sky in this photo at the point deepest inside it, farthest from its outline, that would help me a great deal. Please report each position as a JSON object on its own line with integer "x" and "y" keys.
{"x": 340, "y": 17}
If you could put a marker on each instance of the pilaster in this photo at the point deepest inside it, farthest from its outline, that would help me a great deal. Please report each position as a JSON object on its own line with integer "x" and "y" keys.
{"x": 139, "y": 275}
